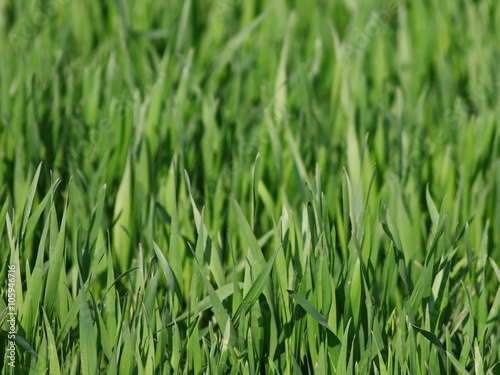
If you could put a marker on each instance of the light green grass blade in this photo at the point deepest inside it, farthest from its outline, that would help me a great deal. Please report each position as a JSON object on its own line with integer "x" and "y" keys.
{"x": 56, "y": 258}
{"x": 219, "y": 311}
{"x": 29, "y": 201}
{"x": 88, "y": 339}
{"x": 257, "y": 287}
{"x": 255, "y": 256}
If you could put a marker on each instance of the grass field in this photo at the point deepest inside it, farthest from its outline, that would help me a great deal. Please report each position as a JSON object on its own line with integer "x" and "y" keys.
{"x": 249, "y": 187}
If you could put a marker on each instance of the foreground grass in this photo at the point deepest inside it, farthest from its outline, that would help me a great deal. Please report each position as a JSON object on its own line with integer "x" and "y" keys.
{"x": 251, "y": 187}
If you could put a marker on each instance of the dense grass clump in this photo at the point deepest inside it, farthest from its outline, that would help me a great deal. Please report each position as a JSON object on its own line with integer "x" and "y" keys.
{"x": 230, "y": 187}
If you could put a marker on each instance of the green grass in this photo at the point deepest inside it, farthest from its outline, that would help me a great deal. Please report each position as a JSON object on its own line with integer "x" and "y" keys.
{"x": 234, "y": 187}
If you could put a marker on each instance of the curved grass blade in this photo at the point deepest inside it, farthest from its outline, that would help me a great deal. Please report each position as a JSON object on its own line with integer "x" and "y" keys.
{"x": 21, "y": 341}
{"x": 220, "y": 313}
{"x": 257, "y": 287}
{"x": 435, "y": 341}
{"x": 223, "y": 292}
{"x": 311, "y": 310}
{"x": 29, "y": 200}
{"x": 255, "y": 255}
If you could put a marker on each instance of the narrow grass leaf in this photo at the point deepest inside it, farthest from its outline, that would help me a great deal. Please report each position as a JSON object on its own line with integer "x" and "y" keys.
{"x": 306, "y": 305}
{"x": 257, "y": 287}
